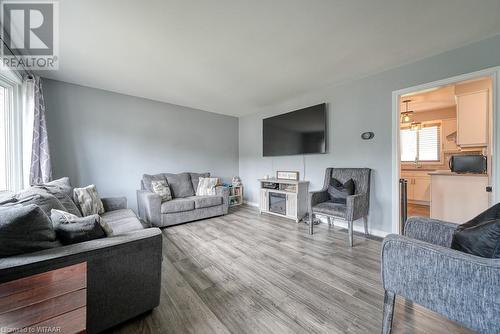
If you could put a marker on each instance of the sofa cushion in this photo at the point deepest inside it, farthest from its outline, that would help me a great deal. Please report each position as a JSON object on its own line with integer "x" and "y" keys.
{"x": 120, "y": 222}
{"x": 195, "y": 178}
{"x": 177, "y": 205}
{"x": 25, "y": 229}
{"x": 180, "y": 185}
{"x": 330, "y": 208}
{"x": 206, "y": 201}
{"x": 63, "y": 191}
{"x": 147, "y": 179}
{"x": 41, "y": 198}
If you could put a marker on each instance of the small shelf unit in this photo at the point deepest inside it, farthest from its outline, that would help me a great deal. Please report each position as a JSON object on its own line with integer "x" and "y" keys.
{"x": 235, "y": 195}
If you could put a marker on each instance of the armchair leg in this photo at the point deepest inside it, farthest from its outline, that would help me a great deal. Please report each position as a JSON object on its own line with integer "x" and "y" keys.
{"x": 365, "y": 222}
{"x": 389, "y": 299}
{"x": 349, "y": 228}
{"x": 311, "y": 223}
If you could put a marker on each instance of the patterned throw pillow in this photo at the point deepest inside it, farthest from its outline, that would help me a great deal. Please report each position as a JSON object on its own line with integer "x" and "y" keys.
{"x": 88, "y": 200}
{"x": 161, "y": 188}
{"x": 206, "y": 186}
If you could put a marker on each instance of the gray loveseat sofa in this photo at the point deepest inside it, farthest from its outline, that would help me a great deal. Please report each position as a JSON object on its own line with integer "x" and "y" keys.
{"x": 185, "y": 206}
{"x": 421, "y": 267}
{"x": 123, "y": 271}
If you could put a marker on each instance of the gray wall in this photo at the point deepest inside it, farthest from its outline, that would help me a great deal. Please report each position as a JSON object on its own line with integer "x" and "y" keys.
{"x": 111, "y": 139}
{"x": 355, "y": 107}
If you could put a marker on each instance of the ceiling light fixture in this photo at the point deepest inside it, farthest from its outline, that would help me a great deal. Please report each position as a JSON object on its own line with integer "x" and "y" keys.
{"x": 405, "y": 116}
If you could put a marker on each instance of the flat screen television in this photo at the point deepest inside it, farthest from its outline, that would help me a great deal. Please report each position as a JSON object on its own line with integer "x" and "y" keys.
{"x": 301, "y": 131}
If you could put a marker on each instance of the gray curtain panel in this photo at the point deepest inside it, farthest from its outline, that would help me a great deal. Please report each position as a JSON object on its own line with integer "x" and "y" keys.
{"x": 41, "y": 169}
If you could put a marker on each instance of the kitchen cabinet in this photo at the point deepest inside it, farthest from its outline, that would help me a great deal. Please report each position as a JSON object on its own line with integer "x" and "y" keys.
{"x": 418, "y": 189}
{"x": 472, "y": 119}
{"x": 449, "y": 130}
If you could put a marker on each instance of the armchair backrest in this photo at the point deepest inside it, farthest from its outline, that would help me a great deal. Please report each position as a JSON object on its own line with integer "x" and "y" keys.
{"x": 361, "y": 177}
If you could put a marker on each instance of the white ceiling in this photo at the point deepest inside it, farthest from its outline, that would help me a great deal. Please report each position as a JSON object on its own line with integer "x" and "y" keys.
{"x": 234, "y": 57}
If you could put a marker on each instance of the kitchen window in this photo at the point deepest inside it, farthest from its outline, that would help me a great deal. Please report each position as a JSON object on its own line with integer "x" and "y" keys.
{"x": 421, "y": 143}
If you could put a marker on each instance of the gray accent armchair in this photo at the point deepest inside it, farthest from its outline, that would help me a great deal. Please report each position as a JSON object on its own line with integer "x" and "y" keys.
{"x": 421, "y": 267}
{"x": 357, "y": 205}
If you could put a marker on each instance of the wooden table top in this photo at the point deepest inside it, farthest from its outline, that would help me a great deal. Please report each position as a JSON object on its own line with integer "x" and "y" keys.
{"x": 50, "y": 302}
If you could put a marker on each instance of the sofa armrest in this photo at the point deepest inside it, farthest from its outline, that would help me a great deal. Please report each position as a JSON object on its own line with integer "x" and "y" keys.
{"x": 114, "y": 203}
{"x": 224, "y": 192}
{"x": 357, "y": 206}
{"x": 430, "y": 230}
{"x": 123, "y": 274}
{"x": 149, "y": 207}
{"x": 460, "y": 286}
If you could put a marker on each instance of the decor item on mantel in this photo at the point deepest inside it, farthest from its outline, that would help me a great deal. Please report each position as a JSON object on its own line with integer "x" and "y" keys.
{"x": 284, "y": 198}
{"x": 287, "y": 175}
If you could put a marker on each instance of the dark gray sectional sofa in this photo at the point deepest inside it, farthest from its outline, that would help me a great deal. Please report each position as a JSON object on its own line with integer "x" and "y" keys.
{"x": 185, "y": 206}
{"x": 123, "y": 271}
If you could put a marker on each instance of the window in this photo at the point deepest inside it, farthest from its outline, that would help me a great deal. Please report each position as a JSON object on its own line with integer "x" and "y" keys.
{"x": 422, "y": 144}
{"x": 4, "y": 139}
{"x": 9, "y": 134}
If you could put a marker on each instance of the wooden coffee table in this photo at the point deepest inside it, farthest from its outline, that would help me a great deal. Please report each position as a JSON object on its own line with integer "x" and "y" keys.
{"x": 50, "y": 302}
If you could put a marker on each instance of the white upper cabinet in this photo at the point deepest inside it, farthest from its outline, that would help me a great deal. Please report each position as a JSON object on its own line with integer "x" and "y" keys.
{"x": 472, "y": 119}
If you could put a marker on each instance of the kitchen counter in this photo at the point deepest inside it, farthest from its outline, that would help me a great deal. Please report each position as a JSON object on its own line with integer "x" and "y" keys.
{"x": 450, "y": 173}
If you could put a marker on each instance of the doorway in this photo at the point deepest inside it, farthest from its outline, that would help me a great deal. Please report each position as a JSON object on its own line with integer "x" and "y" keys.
{"x": 436, "y": 127}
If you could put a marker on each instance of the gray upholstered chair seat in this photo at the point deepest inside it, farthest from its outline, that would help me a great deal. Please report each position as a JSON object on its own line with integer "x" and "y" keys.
{"x": 177, "y": 205}
{"x": 330, "y": 208}
{"x": 206, "y": 201}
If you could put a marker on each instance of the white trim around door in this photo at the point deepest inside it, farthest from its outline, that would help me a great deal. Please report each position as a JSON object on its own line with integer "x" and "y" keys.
{"x": 494, "y": 74}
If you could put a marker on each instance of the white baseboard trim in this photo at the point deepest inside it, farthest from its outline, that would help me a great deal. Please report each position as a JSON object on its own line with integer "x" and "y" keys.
{"x": 251, "y": 203}
{"x": 358, "y": 227}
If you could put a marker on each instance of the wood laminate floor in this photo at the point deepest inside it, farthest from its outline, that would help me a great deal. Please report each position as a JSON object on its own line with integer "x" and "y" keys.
{"x": 247, "y": 273}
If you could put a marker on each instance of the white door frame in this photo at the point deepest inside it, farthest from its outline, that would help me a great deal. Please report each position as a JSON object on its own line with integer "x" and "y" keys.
{"x": 494, "y": 74}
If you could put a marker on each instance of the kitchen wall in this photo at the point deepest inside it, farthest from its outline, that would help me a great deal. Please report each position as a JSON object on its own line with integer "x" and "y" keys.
{"x": 111, "y": 139}
{"x": 355, "y": 107}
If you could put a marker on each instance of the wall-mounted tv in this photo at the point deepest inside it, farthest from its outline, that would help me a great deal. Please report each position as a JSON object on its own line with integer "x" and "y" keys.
{"x": 301, "y": 131}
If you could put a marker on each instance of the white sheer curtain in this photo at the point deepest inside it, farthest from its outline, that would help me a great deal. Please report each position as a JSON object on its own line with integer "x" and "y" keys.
{"x": 36, "y": 155}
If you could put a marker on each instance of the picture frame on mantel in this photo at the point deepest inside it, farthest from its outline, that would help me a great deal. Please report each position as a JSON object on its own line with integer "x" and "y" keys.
{"x": 287, "y": 175}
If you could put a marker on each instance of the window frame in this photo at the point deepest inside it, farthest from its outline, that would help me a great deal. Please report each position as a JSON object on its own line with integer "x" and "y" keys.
{"x": 438, "y": 123}
{"x": 12, "y": 83}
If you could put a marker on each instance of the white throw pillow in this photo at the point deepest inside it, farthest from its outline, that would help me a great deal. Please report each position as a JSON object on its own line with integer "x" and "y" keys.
{"x": 88, "y": 200}
{"x": 206, "y": 186}
{"x": 162, "y": 188}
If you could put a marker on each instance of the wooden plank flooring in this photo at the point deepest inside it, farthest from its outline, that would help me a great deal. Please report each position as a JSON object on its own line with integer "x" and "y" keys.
{"x": 247, "y": 273}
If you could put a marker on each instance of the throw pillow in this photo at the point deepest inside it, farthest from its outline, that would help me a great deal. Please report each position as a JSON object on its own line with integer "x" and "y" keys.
{"x": 25, "y": 229}
{"x": 88, "y": 200}
{"x": 195, "y": 177}
{"x": 481, "y": 239}
{"x": 62, "y": 217}
{"x": 161, "y": 188}
{"x": 148, "y": 179}
{"x": 180, "y": 185}
{"x": 338, "y": 192}
{"x": 206, "y": 186}
{"x": 72, "y": 229}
